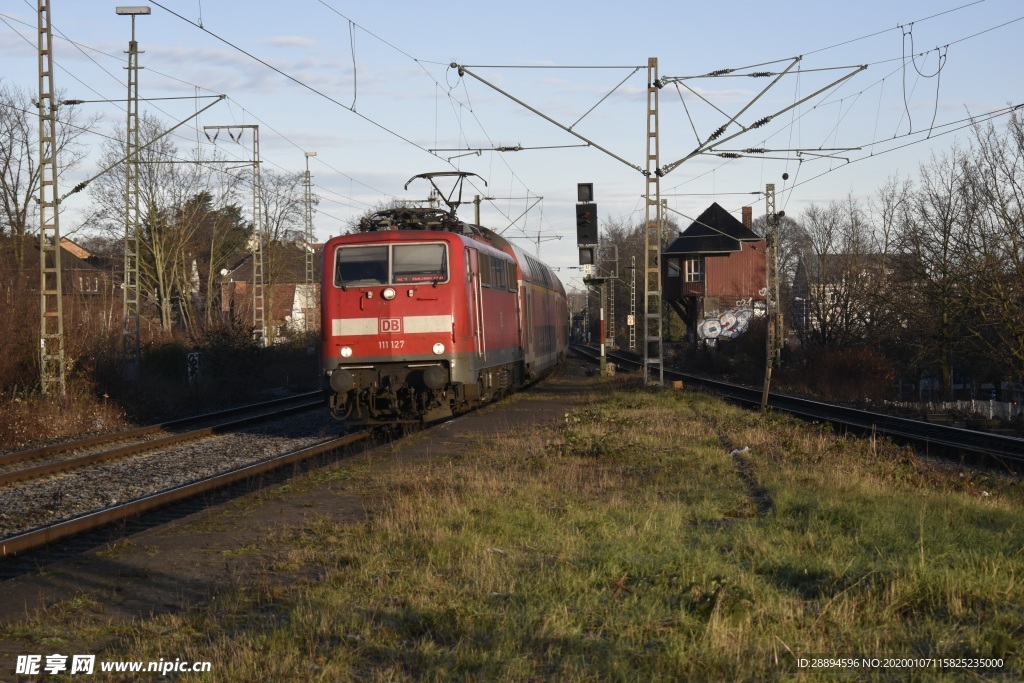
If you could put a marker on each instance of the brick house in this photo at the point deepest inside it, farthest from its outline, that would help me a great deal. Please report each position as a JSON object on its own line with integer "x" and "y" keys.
{"x": 291, "y": 305}
{"x": 714, "y": 275}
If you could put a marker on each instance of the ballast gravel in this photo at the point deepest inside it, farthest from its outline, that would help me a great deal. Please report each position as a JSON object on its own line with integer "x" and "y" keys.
{"x": 28, "y": 505}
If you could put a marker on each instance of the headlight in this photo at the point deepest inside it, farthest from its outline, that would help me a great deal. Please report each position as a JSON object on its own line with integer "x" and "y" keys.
{"x": 388, "y": 294}
{"x": 346, "y": 351}
{"x": 438, "y": 348}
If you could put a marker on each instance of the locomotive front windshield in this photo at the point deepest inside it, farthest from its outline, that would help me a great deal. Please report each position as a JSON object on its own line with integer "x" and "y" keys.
{"x": 395, "y": 264}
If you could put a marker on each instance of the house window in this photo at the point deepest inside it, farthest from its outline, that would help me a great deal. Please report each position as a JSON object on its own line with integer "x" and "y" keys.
{"x": 694, "y": 269}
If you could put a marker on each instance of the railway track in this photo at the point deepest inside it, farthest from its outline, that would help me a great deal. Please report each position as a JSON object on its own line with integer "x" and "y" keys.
{"x": 932, "y": 438}
{"x": 33, "y": 489}
{"x": 141, "y": 433}
{"x": 52, "y": 459}
{"x": 48, "y": 534}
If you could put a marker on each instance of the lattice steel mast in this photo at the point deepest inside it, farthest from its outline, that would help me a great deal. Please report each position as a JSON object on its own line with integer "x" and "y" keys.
{"x": 652, "y": 236}
{"x": 309, "y": 243}
{"x": 258, "y": 313}
{"x": 131, "y": 310}
{"x": 632, "y": 304}
{"x": 51, "y": 304}
{"x": 772, "y": 312}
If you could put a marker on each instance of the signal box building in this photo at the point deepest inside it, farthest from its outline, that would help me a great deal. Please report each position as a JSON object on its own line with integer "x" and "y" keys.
{"x": 714, "y": 275}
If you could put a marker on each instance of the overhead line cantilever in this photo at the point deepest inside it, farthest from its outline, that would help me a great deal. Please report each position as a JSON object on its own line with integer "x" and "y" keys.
{"x": 463, "y": 70}
{"x": 82, "y": 185}
{"x": 665, "y": 170}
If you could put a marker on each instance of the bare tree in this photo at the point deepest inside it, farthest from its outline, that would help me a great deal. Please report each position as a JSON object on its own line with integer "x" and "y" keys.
{"x": 994, "y": 181}
{"x": 283, "y": 201}
{"x": 19, "y": 162}
{"x": 935, "y": 242}
{"x": 215, "y": 234}
{"x": 167, "y": 188}
{"x": 621, "y": 239}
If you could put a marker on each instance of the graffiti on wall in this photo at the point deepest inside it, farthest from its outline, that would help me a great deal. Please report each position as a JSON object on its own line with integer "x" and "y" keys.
{"x": 732, "y": 322}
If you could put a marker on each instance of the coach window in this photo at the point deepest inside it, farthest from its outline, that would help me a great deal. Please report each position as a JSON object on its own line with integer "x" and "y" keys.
{"x": 420, "y": 263}
{"x": 361, "y": 266}
{"x": 498, "y": 274}
{"x": 485, "y": 269}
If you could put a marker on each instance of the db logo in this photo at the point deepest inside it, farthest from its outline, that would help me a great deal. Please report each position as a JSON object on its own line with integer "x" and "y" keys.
{"x": 390, "y": 325}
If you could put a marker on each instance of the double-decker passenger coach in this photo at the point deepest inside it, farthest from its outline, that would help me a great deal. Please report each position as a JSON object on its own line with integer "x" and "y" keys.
{"x": 425, "y": 316}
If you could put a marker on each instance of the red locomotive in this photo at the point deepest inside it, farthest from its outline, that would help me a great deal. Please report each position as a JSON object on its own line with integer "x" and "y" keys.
{"x": 425, "y": 317}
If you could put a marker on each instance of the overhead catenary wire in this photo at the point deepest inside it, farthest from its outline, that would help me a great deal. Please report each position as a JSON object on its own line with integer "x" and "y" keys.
{"x": 82, "y": 48}
{"x": 872, "y": 136}
{"x": 294, "y": 79}
{"x": 966, "y": 123}
{"x": 300, "y": 82}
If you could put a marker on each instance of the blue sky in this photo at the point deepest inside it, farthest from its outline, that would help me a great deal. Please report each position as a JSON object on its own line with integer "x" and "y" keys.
{"x": 390, "y": 63}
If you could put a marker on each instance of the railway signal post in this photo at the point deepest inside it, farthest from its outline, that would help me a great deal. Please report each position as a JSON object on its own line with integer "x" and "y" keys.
{"x": 586, "y": 240}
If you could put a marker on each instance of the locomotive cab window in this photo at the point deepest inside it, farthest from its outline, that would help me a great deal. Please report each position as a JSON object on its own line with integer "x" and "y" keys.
{"x": 354, "y": 266}
{"x": 420, "y": 263}
{"x": 398, "y": 264}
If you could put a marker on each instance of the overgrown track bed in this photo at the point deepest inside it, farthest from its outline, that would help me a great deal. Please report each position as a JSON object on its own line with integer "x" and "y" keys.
{"x": 64, "y": 448}
{"x": 932, "y": 438}
{"x": 590, "y": 530}
{"x": 68, "y": 456}
{"x": 42, "y": 510}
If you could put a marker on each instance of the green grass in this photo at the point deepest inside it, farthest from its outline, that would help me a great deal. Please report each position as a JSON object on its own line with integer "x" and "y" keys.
{"x": 626, "y": 543}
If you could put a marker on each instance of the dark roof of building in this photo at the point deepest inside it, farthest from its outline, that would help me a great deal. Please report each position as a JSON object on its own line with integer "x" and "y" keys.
{"x": 69, "y": 261}
{"x": 715, "y": 231}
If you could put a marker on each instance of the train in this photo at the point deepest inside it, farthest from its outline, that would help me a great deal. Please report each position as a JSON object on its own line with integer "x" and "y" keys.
{"x": 425, "y": 317}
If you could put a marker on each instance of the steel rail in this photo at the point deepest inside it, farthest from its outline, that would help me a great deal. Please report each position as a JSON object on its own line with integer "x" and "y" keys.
{"x": 42, "y": 451}
{"x": 142, "y": 446}
{"x": 89, "y": 521}
{"x": 1000, "y": 447}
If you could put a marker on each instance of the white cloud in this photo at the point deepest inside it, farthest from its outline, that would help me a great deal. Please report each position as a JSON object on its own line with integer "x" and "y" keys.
{"x": 291, "y": 41}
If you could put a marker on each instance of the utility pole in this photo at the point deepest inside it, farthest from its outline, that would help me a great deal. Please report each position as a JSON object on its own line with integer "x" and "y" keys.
{"x": 476, "y": 207}
{"x": 666, "y": 326}
{"x": 604, "y": 358}
{"x": 259, "y": 325}
{"x": 51, "y": 303}
{"x": 131, "y": 310}
{"x": 632, "y": 305}
{"x": 772, "y": 309}
{"x": 309, "y": 250}
{"x": 611, "y": 316}
{"x": 586, "y": 317}
{"x": 611, "y": 300}
{"x": 652, "y": 237}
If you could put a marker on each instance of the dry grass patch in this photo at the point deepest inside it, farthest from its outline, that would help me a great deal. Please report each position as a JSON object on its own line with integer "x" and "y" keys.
{"x": 629, "y": 543}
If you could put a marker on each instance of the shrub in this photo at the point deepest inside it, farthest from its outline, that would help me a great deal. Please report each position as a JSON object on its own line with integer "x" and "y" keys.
{"x": 851, "y": 374}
